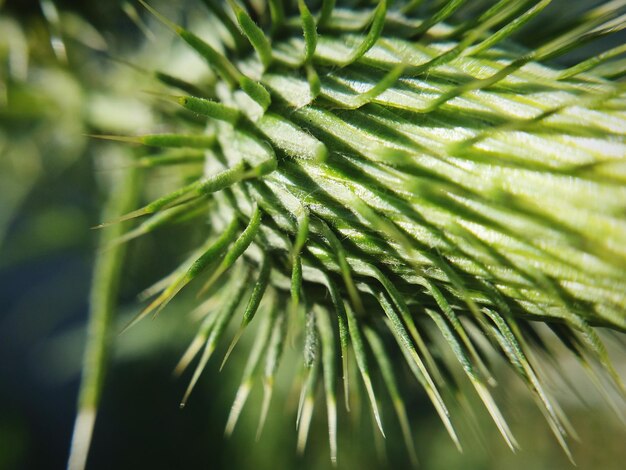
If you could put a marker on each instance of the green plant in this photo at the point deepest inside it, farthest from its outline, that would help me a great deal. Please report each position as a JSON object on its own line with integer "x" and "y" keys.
{"x": 400, "y": 172}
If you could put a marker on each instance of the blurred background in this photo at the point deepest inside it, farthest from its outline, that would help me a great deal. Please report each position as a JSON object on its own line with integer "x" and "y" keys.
{"x": 58, "y": 85}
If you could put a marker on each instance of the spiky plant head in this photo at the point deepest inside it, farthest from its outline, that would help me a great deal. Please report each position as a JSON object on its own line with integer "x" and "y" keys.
{"x": 397, "y": 186}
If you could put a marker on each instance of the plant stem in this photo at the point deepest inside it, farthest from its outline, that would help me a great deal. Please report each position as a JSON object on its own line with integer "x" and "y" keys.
{"x": 103, "y": 297}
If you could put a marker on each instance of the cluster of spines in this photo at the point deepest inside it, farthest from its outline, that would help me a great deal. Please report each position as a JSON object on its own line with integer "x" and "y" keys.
{"x": 332, "y": 189}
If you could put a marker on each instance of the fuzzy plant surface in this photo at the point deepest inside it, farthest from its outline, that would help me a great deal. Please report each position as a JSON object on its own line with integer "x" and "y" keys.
{"x": 403, "y": 189}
